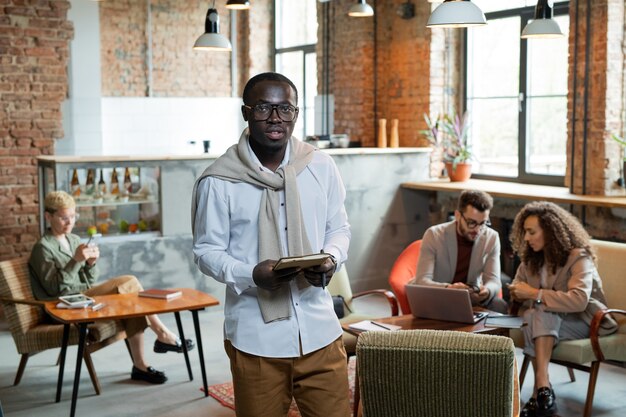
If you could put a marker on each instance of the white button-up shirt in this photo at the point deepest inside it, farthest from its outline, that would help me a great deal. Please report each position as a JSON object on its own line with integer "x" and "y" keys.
{"x": 226, "y": 247}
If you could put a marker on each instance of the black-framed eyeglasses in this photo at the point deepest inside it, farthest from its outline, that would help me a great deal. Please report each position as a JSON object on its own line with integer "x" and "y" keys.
{"x": 473, "y": 224}
{"x": 262, "y": 112}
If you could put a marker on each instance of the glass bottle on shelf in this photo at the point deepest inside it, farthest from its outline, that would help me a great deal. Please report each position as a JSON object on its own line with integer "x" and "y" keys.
{"x": 115, "y": 186}
{"x": 75, "y": 184}
{"x": 102, "y": 186}
{"x": 90, "y": 186}
{"x": 127, "y": 181}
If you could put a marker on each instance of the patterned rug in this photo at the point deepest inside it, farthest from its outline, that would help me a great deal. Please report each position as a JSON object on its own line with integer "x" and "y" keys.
{"x": 224, "y": 392}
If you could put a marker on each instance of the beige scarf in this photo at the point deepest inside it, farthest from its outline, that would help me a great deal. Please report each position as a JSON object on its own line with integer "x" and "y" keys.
{"x": 236, "y": 165}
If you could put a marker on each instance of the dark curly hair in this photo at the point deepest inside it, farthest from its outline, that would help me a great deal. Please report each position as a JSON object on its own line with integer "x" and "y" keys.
{"x": 562, "y": 232}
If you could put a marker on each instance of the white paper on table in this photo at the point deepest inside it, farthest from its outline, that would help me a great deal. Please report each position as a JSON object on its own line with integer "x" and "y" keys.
{"x": 367, "y": 325}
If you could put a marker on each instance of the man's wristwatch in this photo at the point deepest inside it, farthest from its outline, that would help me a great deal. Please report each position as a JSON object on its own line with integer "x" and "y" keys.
{"x": 538, "y": 300}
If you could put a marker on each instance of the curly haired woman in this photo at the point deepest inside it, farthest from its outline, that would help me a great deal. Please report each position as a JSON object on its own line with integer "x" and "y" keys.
{"x": 557, "y": 282}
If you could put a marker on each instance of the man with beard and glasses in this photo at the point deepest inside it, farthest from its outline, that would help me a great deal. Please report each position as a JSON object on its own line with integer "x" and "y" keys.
{"x": 465, "y": 253}
{"x": 270, "y": 196}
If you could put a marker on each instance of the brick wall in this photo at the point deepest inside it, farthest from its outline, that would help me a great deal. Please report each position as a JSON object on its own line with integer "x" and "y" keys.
{"x": 34, "y": 50}
{"x": 601, "y": 167}
{"x": 176, "y": 69}
{"x": 400, "y": 87}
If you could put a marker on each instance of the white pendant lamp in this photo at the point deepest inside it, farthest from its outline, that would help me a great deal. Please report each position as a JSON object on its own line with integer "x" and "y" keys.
{"x": 238, "y": 4}
{"x": 361, "y": 9}
{"x": 456, "y": 14}
{"x": 211, "y": 39}
{"x": 542, "y": 26}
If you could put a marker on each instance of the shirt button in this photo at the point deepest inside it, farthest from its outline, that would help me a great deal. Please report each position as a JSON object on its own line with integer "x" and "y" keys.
{"x": 285, "y": 228}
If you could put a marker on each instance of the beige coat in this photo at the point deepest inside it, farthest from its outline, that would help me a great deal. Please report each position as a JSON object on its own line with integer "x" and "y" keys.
{"x": 575, "y": 288}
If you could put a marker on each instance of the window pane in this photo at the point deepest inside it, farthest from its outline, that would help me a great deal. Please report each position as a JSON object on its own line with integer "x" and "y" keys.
{"x": 547, "y": 63}
{"x": 493, "y": 130}
{"x": 493, "y": 59}
{"x": 547, "y": 135}
{"x": 296, "y": 23}
{"x": 291, "y": 65}
{"x": 493, "y": 90}
{"x": 310, "y": 75}
{"x": 546, "y": 130}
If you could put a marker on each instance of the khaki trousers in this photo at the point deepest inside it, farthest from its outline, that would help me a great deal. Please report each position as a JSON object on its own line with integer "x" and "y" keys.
{"x": 124, "y": 284}
{"x": 264, "y": 386}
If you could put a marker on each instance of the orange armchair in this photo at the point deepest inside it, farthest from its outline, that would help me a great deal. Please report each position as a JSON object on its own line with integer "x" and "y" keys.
{"x": 403, "y": 271}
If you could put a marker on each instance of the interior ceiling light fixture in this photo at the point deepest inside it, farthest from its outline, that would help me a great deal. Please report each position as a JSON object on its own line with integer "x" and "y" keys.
{"x": 361, "y": 9}
{"x": 456, "y": 14}
{"x": 542, "y": 26}
{"x": 238, "y": 4}
{"x": 211, "y": 39}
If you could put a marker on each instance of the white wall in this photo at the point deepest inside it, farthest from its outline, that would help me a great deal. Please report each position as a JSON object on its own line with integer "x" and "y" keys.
{"x": 165, "y": 126}
{"x": 81, "y": 112}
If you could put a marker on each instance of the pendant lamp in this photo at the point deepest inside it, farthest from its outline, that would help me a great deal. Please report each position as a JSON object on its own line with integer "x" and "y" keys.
{"x": 361, "y": 9}
{"x": 211, "y": 39}
{"x": 238, "y": 4}
{"x": 456, "y": 14}
{"x": 542, "y": 26}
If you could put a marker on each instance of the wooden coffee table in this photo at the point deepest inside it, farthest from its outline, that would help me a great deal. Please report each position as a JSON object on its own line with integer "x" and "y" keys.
{"x": 123, "y": 306}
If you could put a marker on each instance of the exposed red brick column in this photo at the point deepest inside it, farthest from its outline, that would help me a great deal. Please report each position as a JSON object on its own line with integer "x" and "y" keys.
{"x": 34, "y": 51}
{"x": 605, "y": 102}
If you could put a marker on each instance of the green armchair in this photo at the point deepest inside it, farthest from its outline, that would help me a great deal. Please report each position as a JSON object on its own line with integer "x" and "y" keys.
{"x": 437, "y": 373}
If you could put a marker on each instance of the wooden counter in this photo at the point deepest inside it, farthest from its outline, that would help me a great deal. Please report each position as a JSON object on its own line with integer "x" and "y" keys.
{"x": 519, "y": 191}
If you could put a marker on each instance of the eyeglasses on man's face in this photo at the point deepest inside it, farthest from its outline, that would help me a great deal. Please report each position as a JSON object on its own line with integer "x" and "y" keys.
{"x": 473, "y": 224}
{"x": 262, "y": 112}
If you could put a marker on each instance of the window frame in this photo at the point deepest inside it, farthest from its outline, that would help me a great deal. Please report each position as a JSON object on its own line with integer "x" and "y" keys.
{"x": 306, "y": 50}
{"x": 523, "y": 176}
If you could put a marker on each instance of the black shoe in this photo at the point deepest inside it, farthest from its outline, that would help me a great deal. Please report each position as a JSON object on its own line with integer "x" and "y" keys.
{"x": 530, "y": 409}
{"x": 150, "y": 375}
{"x": 546, "y": 402}
{"x": 161, "y": 347}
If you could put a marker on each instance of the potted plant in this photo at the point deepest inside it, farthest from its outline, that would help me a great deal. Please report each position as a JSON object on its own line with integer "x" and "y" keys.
{"x": 448, "y": 133}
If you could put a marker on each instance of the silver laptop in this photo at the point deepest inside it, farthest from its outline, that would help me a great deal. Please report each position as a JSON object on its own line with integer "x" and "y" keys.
{"x": 446, "y": 304}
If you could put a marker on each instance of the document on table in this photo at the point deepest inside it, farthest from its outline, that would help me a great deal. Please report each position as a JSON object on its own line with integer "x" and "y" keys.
{"x": 509, "y": 322}
{"x": 367, "y": 325}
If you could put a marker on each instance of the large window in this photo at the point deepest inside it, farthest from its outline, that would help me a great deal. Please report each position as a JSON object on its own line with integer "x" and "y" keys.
{"x": 516, "y": 95}
{"x": 296, "y": 36}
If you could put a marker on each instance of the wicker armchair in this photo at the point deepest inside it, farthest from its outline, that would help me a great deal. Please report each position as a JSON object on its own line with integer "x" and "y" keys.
{"x": 437, "y": 373}
{"x": 31, "y": 333}
{"x": 340, "y": 285}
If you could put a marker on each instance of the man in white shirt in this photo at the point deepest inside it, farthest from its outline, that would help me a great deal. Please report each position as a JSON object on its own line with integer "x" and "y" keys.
{"x": 267, "y": 197}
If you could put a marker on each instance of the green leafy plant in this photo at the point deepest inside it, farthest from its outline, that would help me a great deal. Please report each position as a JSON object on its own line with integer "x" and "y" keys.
{"x": 448, "y": 132}
{"x": 622, "y": 142}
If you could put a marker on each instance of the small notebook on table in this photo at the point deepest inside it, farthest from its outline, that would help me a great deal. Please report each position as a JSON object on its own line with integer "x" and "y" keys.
{"x": 508, "y": 322}
{"x": 159, "y": 293}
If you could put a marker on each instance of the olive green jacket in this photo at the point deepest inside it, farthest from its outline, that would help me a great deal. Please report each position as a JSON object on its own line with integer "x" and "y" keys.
{"x": 54, "y": 272}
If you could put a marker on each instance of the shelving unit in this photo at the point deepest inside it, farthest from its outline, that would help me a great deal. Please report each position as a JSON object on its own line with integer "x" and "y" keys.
{"x": 113, "y": 216}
